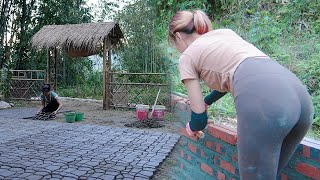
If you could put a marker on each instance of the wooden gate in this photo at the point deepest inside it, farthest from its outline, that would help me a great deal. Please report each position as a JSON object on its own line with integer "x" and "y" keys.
{"x": 26, "y": 84}
{"x": 129, "y": 89}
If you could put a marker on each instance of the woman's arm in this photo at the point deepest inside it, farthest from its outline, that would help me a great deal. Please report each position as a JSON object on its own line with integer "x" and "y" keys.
{"x": 213, "y": 97}
{"x": 41, "y": 106}
{"x": 59, "y": 107}
{"x": 195, "y": 95}
{"x": 199, "y": 115}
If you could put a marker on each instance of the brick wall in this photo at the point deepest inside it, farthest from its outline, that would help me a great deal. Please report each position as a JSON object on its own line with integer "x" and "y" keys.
{"x": 215, "y": 156}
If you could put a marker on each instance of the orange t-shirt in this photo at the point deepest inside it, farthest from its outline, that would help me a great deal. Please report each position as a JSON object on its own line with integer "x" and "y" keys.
{"x": 214, "y": 56}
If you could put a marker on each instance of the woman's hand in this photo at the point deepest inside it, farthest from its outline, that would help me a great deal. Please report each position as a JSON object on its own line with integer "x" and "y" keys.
{"x": 189, "y": 131}
{"x": 206, "y": 106}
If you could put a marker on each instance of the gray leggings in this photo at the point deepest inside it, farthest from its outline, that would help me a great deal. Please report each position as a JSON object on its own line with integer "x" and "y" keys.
{"x": 274, "y": 112}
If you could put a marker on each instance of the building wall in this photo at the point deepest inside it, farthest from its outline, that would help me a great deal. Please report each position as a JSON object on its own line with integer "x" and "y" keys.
{"x": 215, "y": 156}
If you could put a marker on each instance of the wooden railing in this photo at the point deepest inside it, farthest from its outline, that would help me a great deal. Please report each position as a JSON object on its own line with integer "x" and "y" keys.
{"x": 129, "y": 89}
{"x": 26, "y": 84}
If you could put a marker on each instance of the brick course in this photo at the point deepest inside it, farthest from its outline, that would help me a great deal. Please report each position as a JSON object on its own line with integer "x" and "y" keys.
{"x": 215, "y": 156}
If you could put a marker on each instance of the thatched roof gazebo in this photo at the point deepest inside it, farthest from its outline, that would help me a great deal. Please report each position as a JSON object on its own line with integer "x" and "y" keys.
{"x": 79, "y": 40}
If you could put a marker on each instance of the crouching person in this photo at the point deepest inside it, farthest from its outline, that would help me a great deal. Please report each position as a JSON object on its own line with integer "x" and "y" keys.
{"x": 50, "y": 104}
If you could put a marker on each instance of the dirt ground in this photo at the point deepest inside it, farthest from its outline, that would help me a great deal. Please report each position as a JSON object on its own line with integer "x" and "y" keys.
{"x": 94, "y": 114}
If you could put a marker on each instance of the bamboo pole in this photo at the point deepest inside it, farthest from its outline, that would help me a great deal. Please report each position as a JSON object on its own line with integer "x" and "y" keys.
{"x": 48, "y": 66}
{"x": 109, "y": 79}
{"x": 55, "y": 69}
{"x": 104, "y": 75}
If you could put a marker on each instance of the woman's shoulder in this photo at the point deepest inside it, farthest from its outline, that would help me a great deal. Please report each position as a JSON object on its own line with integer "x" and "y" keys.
{"x": 53, "y": 94}
{"x": 220, "y": 31}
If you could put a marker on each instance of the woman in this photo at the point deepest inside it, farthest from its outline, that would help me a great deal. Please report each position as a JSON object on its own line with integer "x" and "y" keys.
{"x": 50, "y": 102}
{"x": 274, "y": 109}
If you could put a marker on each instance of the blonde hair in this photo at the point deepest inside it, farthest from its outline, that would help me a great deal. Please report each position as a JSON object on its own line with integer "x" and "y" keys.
{"x": 189, "y": 22}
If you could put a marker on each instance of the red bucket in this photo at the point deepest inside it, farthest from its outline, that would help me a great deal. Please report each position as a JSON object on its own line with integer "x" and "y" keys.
{"x": 142, "y": 112}
{"x": 158, "y": 112}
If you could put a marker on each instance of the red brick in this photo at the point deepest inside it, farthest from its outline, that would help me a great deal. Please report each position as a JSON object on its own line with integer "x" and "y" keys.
{"x": 284, "y": 176}
{"x": 175, "y": 100}
{"x": 218, "y": 148}
{"x": 180, "y": 142}
{"x": 192, "y": 148}
{"x": 221, "y": 176}
{"x": 209, "y": 144}
{"x": 223, "y": 134}
{"x": 183, "y": 132}
{"x": 182, "y": 153}
{"x": 234, "y": 157}
{"x": 204, "y": 167}
{"x": 308, "y": 170}
{"x": 306, "y": 151}
{"x": 214, "y": 146}
{"x": 182, "y": 105}
{"x": 202, "y": 153}
{"x": 229, "y": 129}
{"x": 181, "y": 166}
{"x": 225, "y": 165}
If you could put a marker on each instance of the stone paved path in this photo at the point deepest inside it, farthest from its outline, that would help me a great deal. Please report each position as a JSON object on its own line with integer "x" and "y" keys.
{"x": 32, "y": 149}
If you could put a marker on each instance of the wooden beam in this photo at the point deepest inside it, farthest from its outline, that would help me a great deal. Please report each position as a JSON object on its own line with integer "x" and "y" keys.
{"x": 48, "y": 66}
{"x": 108, "y": 79}
{"x": 104, "y": 78}
{"x": 55, "y": 68}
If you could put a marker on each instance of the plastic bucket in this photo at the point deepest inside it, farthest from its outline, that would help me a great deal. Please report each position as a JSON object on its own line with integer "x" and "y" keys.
{"x": 79, "y": 116}
{"x": 142, "y": 112}
{"x": 158, "y": 112}
{"x": 70, "y": 117}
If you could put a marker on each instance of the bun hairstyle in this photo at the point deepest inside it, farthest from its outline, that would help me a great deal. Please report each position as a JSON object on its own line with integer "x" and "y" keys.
{"x": 189, "y": 22}
{"x": 46, "y": 87}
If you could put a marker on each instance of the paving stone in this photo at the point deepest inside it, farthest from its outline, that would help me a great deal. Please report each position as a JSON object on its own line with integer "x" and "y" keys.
{"x": 112, "y": 173}
{"x": 128, "y": 176}
{"x": 140, "y": 178}
{"x": 47, "y": 177}
{"x": 53, "y": 168}
{"x": 96, "y": 175}
{"x": 119, "y": 168}
{"x": 146, "y": 173}
{"x": 24, "y": 175}
{"x": 79, "y": 173}
{"x": 37, "y": 149}
{"x": 6, "y": 173}
{"x": 34, "y": 177}
{"x": 68, "y": 178}
{"x": 41, "y": 173}
{"x": 106, "y": 176}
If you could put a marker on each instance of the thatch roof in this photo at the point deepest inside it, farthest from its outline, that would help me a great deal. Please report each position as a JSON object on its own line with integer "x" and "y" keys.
{"x": 72, "y": 38}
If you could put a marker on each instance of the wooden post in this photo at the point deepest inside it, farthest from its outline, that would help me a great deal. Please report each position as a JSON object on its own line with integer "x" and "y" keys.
{"x": 108, "y": 78}
{"x": 104, "y": 75}
{"x": 55, "y": 68}
{"x": 48, "y": 66}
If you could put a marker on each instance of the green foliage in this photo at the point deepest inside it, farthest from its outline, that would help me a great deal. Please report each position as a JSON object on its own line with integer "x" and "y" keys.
{"x": 5, "y": 76}
{"x": 141, "y": 51}
{"x": 81, "y": 91}
{"x": 25, "y": 19}
{"x": 263, "y": 30}
{"x": 224, "y": 107}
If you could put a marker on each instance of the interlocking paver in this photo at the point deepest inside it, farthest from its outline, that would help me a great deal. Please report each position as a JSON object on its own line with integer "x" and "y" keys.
{"x": 55, "y": 150}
